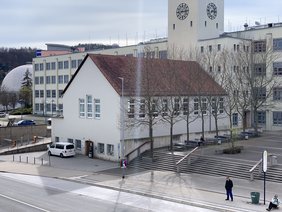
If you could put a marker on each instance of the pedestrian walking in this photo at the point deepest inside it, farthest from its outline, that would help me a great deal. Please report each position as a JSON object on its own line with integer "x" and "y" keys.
{"x": 228, "y": 188}
{"x": 274, "y": 203}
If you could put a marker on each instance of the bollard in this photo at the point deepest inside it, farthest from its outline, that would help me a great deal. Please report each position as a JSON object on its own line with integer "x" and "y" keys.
{"x": 49, "y": 161}
{"x": 13, "y": 158}
{"x": 42, "y": 161}
{"x": 34, "y": 160}
{"x": 20, "y": 158}
{"x": 26, "y": 159}
{"x": 252, "y": 176}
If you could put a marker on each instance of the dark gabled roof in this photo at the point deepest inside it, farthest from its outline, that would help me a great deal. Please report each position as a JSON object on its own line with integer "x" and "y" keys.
{"x": 155, "y": 76}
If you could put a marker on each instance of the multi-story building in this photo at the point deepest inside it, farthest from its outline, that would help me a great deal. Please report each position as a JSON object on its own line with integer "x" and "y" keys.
{"x": 193, "y": 26}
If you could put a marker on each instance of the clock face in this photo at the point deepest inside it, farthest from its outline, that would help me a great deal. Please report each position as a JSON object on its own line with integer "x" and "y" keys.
{"x": 182, "y": 11}
{"x": 211, "y": 11}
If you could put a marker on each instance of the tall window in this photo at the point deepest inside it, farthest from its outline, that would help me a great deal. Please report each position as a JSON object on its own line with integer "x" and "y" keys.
{"x": 110, "y": 149}
{"x": 53, "y": 65}
{"x": 204, "y": 106}
{"x": 66, "y": 64}
{"x": 60, "y": 65}
{"x": 60, "y": 79}
{"x": 142, "y": 108}
{"x": 53, "y": 79}
{"x": 130, "y": 109}
{"x": 66, "y": 78}
{"x": 196, "y": 106}
{"x": 176, "y": 106}
{"x": 277, "y": 44}
{"x": 235, "y": 119}
{"x": 261, "y": 117}
{"x": 277, "y": 118}
{"x": 277, "y": 69}
{"x": 277, "y": 93}
{"x": 185, "y": 106}
{"x": 155, "y": 108}
{"x": 97, "y": 108}
{"x": 89, "y": 106}
{"x": 48, "y": 79}
{"x": 101, "y": 148}
{"x": 73, "y": 64}
{"x": 213, "y": 105}
{"x": 260, "y": 69}
{"x": 164, "y": 107}
{"x": 53, "y": 93}
{"x": 78, "y": 144}
{"x": 81, "y": 108}
{"x": 221, "y": 105}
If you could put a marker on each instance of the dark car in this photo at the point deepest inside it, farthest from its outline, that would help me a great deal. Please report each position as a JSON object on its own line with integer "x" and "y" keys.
{"x": 25, "y": 123}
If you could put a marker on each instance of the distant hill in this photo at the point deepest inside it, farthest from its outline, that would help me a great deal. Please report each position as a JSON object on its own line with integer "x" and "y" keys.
{"x": 11, "y": 58}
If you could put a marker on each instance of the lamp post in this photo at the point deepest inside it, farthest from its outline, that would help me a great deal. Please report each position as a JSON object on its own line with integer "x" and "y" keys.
{"x": 122, "y": 117}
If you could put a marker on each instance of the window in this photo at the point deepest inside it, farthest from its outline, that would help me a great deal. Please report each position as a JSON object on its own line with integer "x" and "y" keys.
{"x": 57, "y": 139}
{"x": 53, "y": 79}
{"x": 70, "y": 140}
{"x": 164, "y": 107}
{"x": 235, "y": 119}
{"x": 261, "y": 117}
{"x": 277, "y": 93}
{"x": 110, "y": 149}
{"x": 81, "y": 108}
{"x": 277, "y": 69}
{"x": 101, "y": 148}
{"x": 77, "y": 144}
{"x": 36, "y": 80}
{"x": 60, "y": 65}
{"x": 260, "y": 69}
{"x": 36, "y": 67}
{"x": 204, "y": 106}
{"x": 97, "y": 108}
{"x": 218, "y": 47}
{"x": 73, "y": 64}
{"x": 234, "y": 47}
{"x": 48, "y": 79}
{"x": 48, "y": 107}
{"x": 48, "y": 66}
{"x": 41, "y": 80}
{"x": 277, "y": 118}
{"x": 142, "y": 108}
{"x": 238, "y": 47}
{"x": 41, "y": 93}
{"x": 259, "y": 46}
{"x": 205, "y": 23}
{"x": 176, "y": 106}
{"x": 163, "y": 54}
{"x": 53, "y": 107}
{"x": 221, "y": 105}
{"x": 36, "y": 93}
{"x": 196, "y": 106}
{"x": 185, "y": 106}
{"x": 210, "y": 68}
{"x": 216, "y": 25}
{"x": 213, "y": 106}
{"x": 36, "y": 107}
{"x": 191, "y": 23}
{"x": 53, "y": 93}
{"x": 60, "y": 93}
{"x": 66, "y": 78}
{"x": 89, "y": 106}
{"x": 79, "y": 62}
{"x": 41, "y": 66}
{"x": 202, "y": 49}
{"x": 210, "y": 48}
{"x": 48, "y": 93}
{"x": 130, "y": 109}
{"x": 66, "y": 64}
{"x": 277, "y": 44}
{"x": 260, "y": 93}
{"x": 60, "y": 79}
{"x": 53, "y": 65}
{"x": 155, "y": 108}
{"x": 173, "y": 26}
{"x": 219, "y": 68}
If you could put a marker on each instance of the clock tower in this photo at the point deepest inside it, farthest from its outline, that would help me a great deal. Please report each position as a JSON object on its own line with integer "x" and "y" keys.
{"x": 190, "y": 21}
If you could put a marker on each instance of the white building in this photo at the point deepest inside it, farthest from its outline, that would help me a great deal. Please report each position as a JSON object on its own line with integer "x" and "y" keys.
{"x": 193, "y": 25}
{"x": 92, "y": 104}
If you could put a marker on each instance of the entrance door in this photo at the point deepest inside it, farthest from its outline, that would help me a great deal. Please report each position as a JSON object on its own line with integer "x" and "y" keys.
{"x": 89, "y": 148}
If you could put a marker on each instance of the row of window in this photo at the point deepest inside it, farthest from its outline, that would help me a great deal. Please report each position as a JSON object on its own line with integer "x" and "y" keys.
{"x": 236, "y": 47}
{"x": 191, "y": 25}
{"x": 164, "y": 106}
{"x": 89, "y": 107}
{"x": 62, "y": 79}
{"x": 60, "y": 64}
{"x": 49, "y": 93}
{"x": 277, "y": 117}
{"x": 49, "y": 107}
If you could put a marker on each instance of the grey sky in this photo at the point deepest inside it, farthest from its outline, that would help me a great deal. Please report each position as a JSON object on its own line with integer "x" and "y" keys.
{"x": 32, "y": 23}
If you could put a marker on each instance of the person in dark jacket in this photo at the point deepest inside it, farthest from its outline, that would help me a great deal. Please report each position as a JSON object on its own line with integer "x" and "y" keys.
{"x": 228, "y": 187}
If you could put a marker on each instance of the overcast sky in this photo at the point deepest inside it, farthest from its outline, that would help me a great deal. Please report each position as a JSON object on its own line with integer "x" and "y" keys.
{"x": 32, "y": 23}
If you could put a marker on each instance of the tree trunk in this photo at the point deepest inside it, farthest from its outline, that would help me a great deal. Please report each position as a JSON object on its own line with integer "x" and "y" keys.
{"x": 151, "y": 137}
{"x": 187, "y": 128}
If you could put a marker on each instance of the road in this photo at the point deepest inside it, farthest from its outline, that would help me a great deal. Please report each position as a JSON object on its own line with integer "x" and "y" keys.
{"x": 33, "y": 193}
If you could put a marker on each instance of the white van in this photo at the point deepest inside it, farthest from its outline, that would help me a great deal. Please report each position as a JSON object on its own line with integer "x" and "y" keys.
{"x": 62, "y": 149}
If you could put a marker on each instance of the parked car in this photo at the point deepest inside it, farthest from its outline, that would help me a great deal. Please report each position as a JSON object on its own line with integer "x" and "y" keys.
{"x": 62, "y": 149}
{"x": 2, "y": 114}
{"x": 25, "y": 123}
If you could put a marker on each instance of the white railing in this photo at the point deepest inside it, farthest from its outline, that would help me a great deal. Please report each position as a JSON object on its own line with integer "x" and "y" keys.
{"x": 178, "y": 164}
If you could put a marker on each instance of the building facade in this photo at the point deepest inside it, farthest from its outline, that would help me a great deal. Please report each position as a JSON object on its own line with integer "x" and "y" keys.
{"x": 193, "y": 26}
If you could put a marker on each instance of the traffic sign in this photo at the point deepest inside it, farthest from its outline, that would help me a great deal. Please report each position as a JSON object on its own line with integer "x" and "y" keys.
{"x": 264, "y": 161}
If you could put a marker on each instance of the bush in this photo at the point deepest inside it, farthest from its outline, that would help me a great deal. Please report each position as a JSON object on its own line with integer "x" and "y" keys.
{"x": 21, "y": 111}
{"x": 234, "y": 150}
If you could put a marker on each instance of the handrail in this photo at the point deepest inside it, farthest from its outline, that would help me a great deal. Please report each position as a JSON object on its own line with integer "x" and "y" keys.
{"x": 186, "y": 156}
{"x": 255, "y": 166}
{"x": 132, "y": 151}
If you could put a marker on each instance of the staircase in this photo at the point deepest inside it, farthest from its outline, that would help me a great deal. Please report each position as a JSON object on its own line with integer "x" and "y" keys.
{"x": 207, "y": 165}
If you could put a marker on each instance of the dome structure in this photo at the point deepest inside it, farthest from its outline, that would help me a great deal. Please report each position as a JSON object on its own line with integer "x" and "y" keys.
{"x": 13, "y": 80}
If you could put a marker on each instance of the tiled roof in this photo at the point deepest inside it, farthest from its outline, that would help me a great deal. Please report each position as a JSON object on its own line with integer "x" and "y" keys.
{"x": 155, "y": 77}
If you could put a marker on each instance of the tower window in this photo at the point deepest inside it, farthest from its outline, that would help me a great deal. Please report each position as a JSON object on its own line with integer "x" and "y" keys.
{"x": 173, "y": 26}
{"x": 218, "y": 47}
{"x": 217, "y": 25}
{"x": 210, "y": 48}
{"x": 205, "y": 23}
{"x": 191, "y": 23}
{"x": 202, "y": 49}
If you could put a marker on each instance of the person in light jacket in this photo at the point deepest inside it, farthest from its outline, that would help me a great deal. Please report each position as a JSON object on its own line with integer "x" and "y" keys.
{"x": 274, "y": 203}
{"x": 228, "y": 188}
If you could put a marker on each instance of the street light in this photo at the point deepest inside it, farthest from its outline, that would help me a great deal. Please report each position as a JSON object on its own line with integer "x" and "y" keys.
{"x": 122, "y": 117}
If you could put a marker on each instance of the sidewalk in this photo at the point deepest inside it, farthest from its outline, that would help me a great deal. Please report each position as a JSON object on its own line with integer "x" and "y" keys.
{"x": 193, "y": 189}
